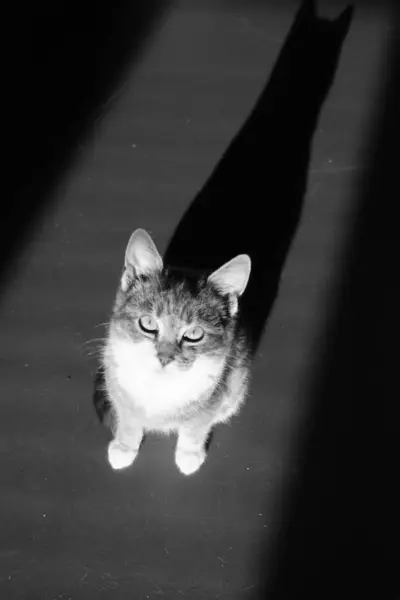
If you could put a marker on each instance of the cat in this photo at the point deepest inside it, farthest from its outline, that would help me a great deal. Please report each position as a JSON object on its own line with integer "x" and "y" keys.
{"x": 175, "y": 358}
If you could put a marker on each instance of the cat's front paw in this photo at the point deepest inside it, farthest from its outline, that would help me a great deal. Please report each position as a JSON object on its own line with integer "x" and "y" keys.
{"x": 120, "y": 456}
{"x": 189, "y": 462}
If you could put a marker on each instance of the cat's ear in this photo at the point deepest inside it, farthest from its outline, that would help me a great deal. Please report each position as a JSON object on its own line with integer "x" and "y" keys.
{"x": 307, "y": 10}
{"x": 141, "y": 257}
{"x": 232, "y": 278}
{"x": 343, "y": 21}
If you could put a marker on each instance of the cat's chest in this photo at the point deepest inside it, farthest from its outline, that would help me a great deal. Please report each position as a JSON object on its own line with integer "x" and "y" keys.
{"x": 159, "y": 389}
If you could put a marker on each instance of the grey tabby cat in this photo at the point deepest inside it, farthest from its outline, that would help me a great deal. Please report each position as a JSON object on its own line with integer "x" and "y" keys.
{"x": 175, "y": 359}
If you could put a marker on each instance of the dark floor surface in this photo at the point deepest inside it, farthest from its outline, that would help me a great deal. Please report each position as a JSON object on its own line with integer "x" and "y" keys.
{"x": 70, "y": 527}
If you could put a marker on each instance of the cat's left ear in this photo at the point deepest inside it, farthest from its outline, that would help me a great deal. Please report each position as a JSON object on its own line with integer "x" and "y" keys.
{"x": 232, "y": 278}
{"x": 141, "y": 257}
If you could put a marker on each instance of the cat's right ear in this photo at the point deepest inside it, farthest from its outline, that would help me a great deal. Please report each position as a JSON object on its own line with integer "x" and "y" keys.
{"x": 343, "y": 21}
{"x": 231, "y": 279}
{"x": 141, "y": 257}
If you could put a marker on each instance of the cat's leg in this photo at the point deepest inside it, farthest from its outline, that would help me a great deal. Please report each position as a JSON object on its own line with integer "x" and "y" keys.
{"x": 128, "y": 435}
{"x": 192, "y": 437}
{"x": 126, "y": 426}
{"x": 124, "y": 448}
{"x": 190, "y": 450}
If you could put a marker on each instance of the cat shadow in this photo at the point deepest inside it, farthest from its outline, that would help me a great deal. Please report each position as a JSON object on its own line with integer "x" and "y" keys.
{"x": 253, "y": 199}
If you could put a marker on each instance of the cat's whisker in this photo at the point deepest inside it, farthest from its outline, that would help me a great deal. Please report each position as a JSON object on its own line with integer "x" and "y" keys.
{"x": 105, "y": 324}
{"x": 101, "y": 339}
{"x": 94, "y": 347}
{"x": 96, "y": 352}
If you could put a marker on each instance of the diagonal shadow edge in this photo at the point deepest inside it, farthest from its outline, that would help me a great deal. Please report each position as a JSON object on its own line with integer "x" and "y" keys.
{"x": 339, "y": 530}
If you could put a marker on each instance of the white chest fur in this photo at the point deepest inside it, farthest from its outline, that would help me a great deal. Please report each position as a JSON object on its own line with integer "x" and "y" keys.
{"x": 159, "y": 390}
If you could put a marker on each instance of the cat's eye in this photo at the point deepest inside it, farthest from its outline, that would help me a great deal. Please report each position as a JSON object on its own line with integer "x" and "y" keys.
{"x": 194, "y": 335}
{"x": 148, "y": 324}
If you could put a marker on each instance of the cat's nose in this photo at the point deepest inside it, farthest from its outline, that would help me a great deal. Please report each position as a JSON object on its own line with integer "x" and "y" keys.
{"x": 165, "y": 359}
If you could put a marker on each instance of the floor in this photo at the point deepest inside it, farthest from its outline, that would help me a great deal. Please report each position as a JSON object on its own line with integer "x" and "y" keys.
{"x": 71, "y": 528}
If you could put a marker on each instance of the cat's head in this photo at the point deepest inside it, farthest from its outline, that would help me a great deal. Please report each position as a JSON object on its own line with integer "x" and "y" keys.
{"x": 182, "y": 315}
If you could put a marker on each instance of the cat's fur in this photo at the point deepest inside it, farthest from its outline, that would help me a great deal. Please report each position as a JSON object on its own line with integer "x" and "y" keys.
{"x": 158, "y": 380}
